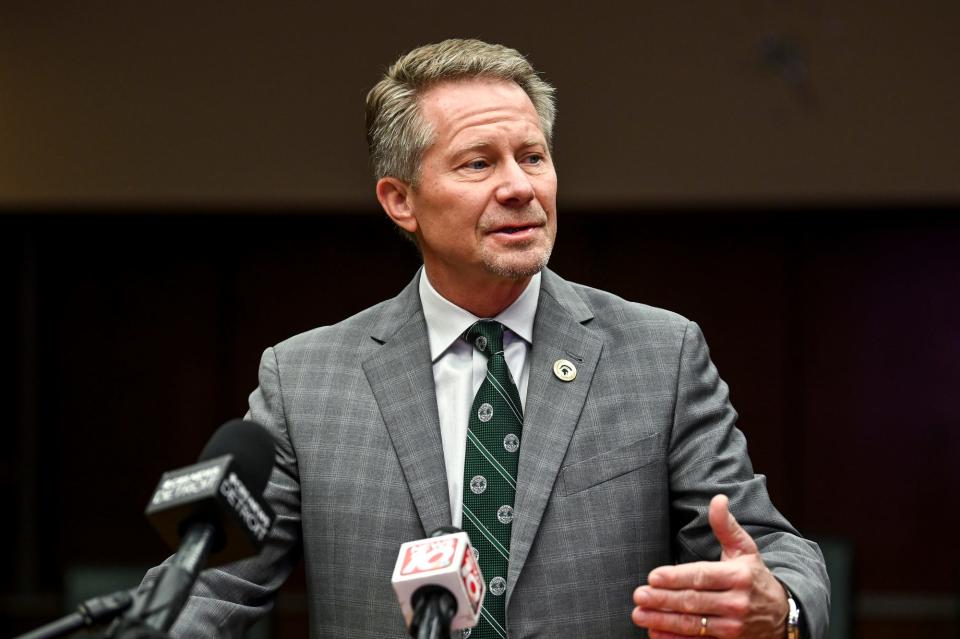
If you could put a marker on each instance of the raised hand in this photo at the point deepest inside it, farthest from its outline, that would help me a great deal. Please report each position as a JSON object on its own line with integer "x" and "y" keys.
{"x": 737, "y": 596}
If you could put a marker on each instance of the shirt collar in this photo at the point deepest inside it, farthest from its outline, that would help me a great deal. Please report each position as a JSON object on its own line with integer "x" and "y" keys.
{"x": 446, "y": 321}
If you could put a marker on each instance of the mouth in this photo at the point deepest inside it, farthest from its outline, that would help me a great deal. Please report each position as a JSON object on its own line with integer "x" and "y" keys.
{"x": 516, "y": 229}
{"x": 513, "y": 230}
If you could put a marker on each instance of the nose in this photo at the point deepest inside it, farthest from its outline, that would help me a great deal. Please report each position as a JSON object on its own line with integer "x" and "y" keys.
{"x": 515, "y": 189}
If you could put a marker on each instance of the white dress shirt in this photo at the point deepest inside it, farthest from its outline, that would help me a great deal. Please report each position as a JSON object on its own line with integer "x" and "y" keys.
{"x": 459, "y": 369}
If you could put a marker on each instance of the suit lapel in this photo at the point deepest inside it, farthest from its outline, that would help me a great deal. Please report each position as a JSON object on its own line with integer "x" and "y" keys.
{"x": 553, "y": 407}
{"x": 401, "y": 376}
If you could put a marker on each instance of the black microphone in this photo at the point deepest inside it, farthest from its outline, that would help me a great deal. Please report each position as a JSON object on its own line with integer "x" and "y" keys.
{"x": 213, "y": 513}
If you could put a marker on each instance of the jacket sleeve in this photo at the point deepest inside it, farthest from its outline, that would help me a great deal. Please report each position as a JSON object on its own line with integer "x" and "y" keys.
{"x": 708, "y": 456}
{"x": 227, "y": 600}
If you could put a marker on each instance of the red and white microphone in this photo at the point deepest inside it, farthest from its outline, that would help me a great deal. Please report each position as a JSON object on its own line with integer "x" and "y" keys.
{"x": 438, "y": 583}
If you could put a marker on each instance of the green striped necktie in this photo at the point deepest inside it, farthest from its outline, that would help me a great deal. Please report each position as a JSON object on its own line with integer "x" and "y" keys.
{"x": 490, "y": 474}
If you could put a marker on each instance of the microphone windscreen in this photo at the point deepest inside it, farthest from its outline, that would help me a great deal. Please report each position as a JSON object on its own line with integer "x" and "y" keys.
{"x": 252, "y": 448}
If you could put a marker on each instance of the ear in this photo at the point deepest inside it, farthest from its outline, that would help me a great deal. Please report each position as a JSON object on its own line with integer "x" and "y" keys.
{"x": 395, "y": 198}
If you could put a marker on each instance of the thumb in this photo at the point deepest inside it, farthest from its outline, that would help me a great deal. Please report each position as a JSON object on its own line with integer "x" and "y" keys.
{"x": 733, "y": 539}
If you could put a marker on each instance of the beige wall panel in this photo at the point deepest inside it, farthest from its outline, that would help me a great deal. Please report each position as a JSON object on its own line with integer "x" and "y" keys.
{"x": 183, "y": 104}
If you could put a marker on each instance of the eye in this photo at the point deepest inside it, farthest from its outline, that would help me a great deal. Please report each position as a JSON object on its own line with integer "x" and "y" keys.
{"x": 476, "y": 165}
{"x": 534, "y": 158}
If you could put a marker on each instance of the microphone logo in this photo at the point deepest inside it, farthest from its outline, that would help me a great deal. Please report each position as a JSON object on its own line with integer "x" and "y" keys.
{"x": 244, "y": 504}
{"x": 435, "y": 571}
{"x": 470, "y": 573}
{"x": 188, "y": 483}
{"x": 429, "y": 555}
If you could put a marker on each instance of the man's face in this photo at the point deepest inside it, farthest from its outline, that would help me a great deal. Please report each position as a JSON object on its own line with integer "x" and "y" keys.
{"x": 485, "y": 205}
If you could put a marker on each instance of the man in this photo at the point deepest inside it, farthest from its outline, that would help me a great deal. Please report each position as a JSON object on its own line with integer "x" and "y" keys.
{"x": 617, "y": 428}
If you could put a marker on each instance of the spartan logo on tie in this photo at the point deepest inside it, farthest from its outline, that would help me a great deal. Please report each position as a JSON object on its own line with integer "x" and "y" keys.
{"x": 490, "y": 474}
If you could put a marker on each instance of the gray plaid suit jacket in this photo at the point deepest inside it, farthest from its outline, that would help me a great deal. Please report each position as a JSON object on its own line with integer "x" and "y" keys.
{"x": 615, "y": 472}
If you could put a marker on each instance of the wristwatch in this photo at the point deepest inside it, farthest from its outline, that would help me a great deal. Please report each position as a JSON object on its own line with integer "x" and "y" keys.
{"x": 793, "y": 615}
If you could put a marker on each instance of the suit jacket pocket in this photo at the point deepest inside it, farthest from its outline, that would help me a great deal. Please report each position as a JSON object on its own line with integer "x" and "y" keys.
{"x": 590, "y": 472}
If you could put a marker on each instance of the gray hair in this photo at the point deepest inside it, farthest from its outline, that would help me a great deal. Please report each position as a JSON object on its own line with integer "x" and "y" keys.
{"x": 397, "y": 133}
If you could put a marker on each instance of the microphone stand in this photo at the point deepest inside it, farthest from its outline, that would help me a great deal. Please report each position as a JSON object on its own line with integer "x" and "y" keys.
{"x": 147, "y": 615}
{"x": 92, "y": 612}
{"x": 155, "y": 612}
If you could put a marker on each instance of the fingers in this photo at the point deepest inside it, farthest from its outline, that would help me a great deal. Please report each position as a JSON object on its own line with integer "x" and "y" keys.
{"x": 680, "y": 598}
{"x": 695, "y": 602}
{"x": 668, "y": 624}
{"x": 734, "y": 540}
{"x": 659, "y": 634}
{"x": 701, "y": 575}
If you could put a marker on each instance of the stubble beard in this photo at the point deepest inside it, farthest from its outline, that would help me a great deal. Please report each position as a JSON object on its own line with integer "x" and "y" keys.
{"x": 519, "y": 263}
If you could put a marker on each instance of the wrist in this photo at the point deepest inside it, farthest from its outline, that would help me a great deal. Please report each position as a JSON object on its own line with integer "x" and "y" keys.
{"x": 791, "y": 622}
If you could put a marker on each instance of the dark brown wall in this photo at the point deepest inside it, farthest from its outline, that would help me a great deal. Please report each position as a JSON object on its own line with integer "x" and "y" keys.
{"x": 835, "y": 329}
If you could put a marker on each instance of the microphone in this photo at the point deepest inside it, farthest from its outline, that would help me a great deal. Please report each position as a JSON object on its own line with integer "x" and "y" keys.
{"x": 213, "y": 513}
{"x": 438, "y": 584}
